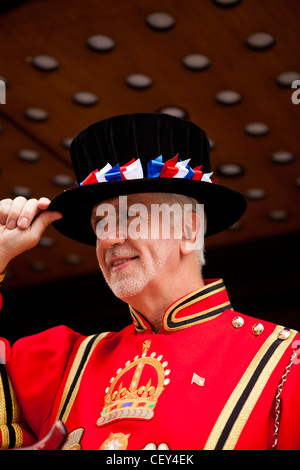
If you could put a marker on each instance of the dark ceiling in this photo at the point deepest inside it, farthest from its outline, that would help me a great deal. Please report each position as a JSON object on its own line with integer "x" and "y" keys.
{"x": 183, "y": 64}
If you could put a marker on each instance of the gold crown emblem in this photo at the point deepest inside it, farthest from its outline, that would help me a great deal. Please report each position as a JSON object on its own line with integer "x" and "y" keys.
{"x": 135, "y": 389}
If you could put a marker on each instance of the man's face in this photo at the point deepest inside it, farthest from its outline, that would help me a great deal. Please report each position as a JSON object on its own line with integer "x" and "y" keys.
{"x": 129, "y": 257}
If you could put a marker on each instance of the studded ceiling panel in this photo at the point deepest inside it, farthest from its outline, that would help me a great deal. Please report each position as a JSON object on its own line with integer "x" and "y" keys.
{"x": 227, "y": 65}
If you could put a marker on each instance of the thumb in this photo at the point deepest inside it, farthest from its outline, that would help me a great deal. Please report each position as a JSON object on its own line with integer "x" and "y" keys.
{"x": 42, "y": 221}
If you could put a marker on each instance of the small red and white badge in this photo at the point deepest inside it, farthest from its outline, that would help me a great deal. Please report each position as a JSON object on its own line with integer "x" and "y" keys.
{"x": 196, "y": 379}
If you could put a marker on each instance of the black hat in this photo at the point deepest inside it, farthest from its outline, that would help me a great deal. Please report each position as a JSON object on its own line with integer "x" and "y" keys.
{"x": 142, "y": 153}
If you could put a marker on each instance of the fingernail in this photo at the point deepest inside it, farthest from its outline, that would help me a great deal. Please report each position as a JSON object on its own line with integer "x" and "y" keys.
{"x": 24, "y": 222}
{"x": 12, "y": 224}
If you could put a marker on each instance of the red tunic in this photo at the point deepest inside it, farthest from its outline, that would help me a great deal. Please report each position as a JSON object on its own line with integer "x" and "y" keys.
{"x": 204, "y": 382}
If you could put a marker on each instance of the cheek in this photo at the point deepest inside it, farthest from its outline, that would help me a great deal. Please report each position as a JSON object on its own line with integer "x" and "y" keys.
{"x": 164, "y": 252}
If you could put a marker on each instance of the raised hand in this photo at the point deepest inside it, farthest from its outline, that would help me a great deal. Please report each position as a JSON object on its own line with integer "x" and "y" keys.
{"x": 22, "y": 223}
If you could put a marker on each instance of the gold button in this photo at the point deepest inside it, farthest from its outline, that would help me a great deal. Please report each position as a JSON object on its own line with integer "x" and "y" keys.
{"x": 284, "y": 334}
{"x": 257, "y": 329}
{"x": 238, "y": 322}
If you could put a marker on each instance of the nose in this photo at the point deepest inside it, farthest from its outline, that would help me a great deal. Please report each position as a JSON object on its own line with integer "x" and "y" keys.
{"x": 110, "y": 238}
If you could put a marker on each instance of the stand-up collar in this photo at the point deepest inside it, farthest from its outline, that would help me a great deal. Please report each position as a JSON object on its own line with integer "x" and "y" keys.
{"x": 198, "y": 306}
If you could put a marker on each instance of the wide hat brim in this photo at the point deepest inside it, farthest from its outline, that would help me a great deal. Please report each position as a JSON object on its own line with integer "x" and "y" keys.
{"x": 223, "y": 206}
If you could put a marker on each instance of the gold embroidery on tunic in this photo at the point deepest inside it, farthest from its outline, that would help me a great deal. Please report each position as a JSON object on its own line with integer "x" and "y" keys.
{"x": 135, "y": 389}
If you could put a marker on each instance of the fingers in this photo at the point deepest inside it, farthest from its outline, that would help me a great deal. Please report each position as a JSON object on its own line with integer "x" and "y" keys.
{"x": 22, "y": 223}
{"x": 20, "y": 212}
{"x": 11, "y": 210}
{"x": 43, "y": 203}
{"x": 5, "y": 206}
{"x": 29, "y": 210}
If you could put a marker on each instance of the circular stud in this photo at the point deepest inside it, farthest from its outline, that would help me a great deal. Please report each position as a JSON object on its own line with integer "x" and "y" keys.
{"x": 257, "y": 329}
{"x": 257, "y": 129}
{"x": 174, "y": 111}
{"x": 139, "y": 81}
{"x": 228, "y": 97}
{"x": 85, "y": 98}
{"x": 285, "y": 79}
{"x": 255, "y": 194}
{"x": 260, "y": 41}
{"x": 73, "y": 259}
{"x": 230, "y": 169}
{"x": 282, "y": 156}
{"x": 36, "y": 114}
{"x": 238, "y": 322}
{"x": 28, "y": 155}
{"x": 62, "y": 180}
{"x": 45, "y": 63}
{"x": 196, "y": 62}
{"x": 21, "y": 191}
{"x": 278, "y": 215}
{"x": 160, "y": 21}
{"x": 284, "y": 334}
{"x": 100, "y": 43}
{"x": 46, "y": 242}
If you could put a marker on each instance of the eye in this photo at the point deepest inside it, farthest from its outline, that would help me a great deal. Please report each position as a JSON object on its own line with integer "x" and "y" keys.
{"x": 101, "y": 222}
{"x": 128, "y": 214}
{"x": 131, "y": 213}
{"x": 104, "y": 226}
{"x": 98, "y": 224}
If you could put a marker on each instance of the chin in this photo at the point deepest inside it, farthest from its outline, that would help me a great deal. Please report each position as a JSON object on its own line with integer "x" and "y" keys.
{"x": 127, "y": 288}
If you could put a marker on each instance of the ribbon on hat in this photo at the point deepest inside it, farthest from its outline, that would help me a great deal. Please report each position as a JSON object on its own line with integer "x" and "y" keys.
{"x": 172, "y": 168}
{"x": 96, "y": 176}
{"x": 155, "y": 167}
{"x": 176, "y": 169}
{"x": 132, "y": 170}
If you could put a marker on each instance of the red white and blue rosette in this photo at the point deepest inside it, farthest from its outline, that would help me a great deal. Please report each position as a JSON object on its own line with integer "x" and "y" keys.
{"x": 172, "y": 168}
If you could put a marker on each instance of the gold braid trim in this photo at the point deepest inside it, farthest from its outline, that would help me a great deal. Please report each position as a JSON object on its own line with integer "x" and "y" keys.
{"x": 72, "y": 374}
{"x": 5, "y": 426}
{"x": 18, "y": 434}
{"x": 4, "y": 436}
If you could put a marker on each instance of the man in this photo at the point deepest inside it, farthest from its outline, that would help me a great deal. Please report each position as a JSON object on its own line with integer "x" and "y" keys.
{"x": 189, "y": 373}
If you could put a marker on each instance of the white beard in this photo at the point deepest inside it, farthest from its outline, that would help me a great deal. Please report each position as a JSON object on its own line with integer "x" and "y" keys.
{"x": 132, "y": 280}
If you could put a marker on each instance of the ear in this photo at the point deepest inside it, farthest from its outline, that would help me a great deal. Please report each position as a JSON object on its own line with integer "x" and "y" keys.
{"x": 192, "y": 226}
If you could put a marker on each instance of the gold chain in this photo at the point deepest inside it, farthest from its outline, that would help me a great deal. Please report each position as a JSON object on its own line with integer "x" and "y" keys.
{"x": 278, "y": 400}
